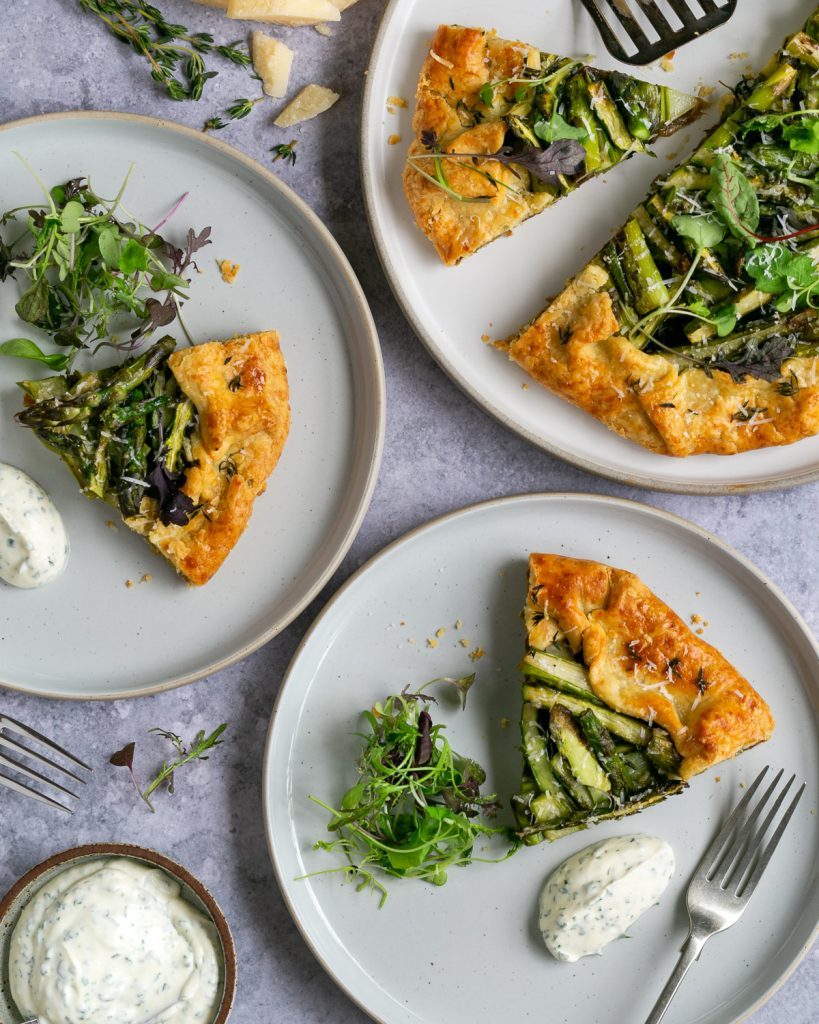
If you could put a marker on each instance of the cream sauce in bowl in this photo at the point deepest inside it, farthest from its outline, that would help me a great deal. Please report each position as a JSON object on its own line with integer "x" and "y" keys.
{"x": 112, "y": 941}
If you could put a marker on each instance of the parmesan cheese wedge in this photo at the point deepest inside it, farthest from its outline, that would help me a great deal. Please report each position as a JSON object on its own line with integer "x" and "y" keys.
{"x": 272, "y": 61}
{"x": 310, "y": 102}
{"x": 284, "y": 12}
{"x": 213, "y": 3}
{"x": 342, "y": 5}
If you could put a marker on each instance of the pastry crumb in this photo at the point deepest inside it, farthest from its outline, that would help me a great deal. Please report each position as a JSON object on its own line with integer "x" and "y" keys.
{"x": 324, "y": 30}
{"x": 111, "y": 525}
{"x": 458, "y": 623}
{"x": 705, "y": 91}
{"x": 432, "y": 642}
{"x": 129, "y": 583}
{"x": 717, "y": 778}
{"x": 505, "y": 723}
{"x": 146, "y": 577}
{"x": 228, "y": 270}
{"x": 667, "y": 62}
{"x": 393, "y": 140}
{"x": 742, "y": 55}
{"x": 397, "y": 101}
{"x": 696, "y": 619}
{"x": 440, "y": 632}
{"x": 699, "y": 632}
{"x": 402, "y": 623}
{"x": 477, "y": 654}
{"x": 464, "y": 642}
{"x": 484, "y": 337}
{"x": 524, "y": 386}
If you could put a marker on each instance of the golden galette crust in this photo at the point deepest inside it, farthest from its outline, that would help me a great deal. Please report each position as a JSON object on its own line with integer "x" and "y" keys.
{"x": 459, "y": 63}
{"x": 240, "y": 391}
{"x": 575, "y": 350}
{"x": 643, "y": 660}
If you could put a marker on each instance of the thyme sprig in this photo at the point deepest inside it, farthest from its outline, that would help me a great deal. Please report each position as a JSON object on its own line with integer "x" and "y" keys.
{"x": 197, "y": 750}
{"x": 175, "y": 55}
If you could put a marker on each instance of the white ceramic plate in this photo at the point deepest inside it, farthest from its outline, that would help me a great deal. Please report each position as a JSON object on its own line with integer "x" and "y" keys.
{"x": 470, "y": 951}
{"x": 88, "y": 634}
{"x": 505, "y": 285}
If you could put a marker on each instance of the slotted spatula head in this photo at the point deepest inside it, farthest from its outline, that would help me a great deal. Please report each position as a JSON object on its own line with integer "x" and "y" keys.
{"x": 640, "y": 31}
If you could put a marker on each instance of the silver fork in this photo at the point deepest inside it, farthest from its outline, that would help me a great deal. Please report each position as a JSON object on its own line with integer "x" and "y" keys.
{"x": 727, "y": 876}
{"x": 9, "y": 725}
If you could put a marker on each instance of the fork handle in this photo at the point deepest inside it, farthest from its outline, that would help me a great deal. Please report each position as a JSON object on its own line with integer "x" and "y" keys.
{"x": 690, "y": 952}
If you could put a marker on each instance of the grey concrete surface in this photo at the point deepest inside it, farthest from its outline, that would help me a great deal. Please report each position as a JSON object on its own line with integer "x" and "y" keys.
{"x": 441, "y": 453}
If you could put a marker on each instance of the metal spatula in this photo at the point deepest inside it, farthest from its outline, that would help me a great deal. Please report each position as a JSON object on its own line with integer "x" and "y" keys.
{"x": 640, "y": 31}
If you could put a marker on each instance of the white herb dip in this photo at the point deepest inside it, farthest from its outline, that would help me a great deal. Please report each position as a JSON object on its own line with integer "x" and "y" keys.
{"x": 595, "y": 895}
{"x": 33, "y": 541}
{"x": 113, "y": 942}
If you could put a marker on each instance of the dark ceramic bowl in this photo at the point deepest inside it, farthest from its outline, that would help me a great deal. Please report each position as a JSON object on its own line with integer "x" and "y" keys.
{"x": 192, "y": 889}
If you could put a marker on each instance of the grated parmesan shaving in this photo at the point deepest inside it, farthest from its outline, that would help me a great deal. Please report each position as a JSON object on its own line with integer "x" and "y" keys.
{"x": 441, "y": 60}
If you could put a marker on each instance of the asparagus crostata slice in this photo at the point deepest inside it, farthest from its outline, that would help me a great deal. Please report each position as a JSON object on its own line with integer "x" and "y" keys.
{"x": 181, "y": 443}
{"x": 696, "y": 328}
{"x": 622, "y": 702}
{"x": 526, "y": 127}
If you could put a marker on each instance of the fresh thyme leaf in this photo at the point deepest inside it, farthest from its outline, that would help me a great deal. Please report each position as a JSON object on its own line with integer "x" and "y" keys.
{"x": 415, "y": 810}
{"x": 232, "y": 53}
{"x": 285, "y": 151}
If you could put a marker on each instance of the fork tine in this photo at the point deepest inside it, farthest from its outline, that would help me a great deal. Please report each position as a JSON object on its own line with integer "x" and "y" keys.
{"x": 767, "y": 853}
{"x": 30, "y": 773}
{"x": 709, "y": 858}
{"x": 684, "y": 12}
{"x": 745, "y": 831}
{"x": 18, "y": 787}
{"x": 740, "y": 866}
{"x": 10, "y": 744}
{"x": 32, "y": 734}
{"x": 627, "y": 21}
{"x": 655, "y": 16}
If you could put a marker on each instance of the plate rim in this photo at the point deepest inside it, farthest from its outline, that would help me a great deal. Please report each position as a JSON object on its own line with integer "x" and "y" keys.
{"x": 549, "y": 496}
{"x": 372, "y": 348}
{"x": 642, "y": 480}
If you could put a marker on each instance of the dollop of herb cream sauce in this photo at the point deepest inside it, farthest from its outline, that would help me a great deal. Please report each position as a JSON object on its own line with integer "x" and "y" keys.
{"x": 33, "y": 541}
{"x": 595, "y": 895}
{"x": 112, "y": 941}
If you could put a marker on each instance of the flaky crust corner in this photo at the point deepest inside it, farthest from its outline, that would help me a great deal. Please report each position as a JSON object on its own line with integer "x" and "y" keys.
{"x": 240, "y": 391}
{"x": 643, "y": 660}
{"x": 465, "y": 59}
{"x": 575, "y": 350}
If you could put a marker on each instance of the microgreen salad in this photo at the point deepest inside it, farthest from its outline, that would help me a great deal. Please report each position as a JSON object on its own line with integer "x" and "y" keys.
{"x": 90, "y": 272}
{"x": 416, "y": 809}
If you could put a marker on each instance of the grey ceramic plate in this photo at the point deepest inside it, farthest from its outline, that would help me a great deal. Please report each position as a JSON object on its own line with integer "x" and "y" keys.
{"x": 90, "y": 635}
{"x": 26, "y": 887}
{"x": 505, "y": 285}
{"x": 470, "y": 951}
